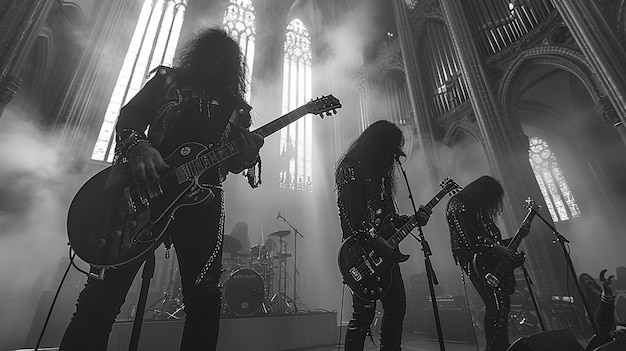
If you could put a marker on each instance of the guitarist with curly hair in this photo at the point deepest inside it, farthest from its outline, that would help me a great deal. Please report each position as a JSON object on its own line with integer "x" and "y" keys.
{"x": 471, "y": 214}
{"x": 365, "y": 180}
{"x": 201, "y": 101}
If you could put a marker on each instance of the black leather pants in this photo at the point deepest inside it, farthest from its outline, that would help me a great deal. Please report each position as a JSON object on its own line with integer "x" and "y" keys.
{"x": 394, "y": 306}
{"x": 496, "y": 322}
{"x": 194, "y": 232}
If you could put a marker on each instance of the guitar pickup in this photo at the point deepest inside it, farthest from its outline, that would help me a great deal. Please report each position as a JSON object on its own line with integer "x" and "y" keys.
{"x": 355, "y": 274}
{"x": 154, "y": 189}
{"x": 376, "y": 259}
{"x": 492, "y": 280}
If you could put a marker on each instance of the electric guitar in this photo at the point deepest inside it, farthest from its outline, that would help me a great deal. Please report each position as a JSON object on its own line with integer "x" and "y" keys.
{"x": 497, "y": 274}
{"x": 113, "y": 221}
{"x": 366, "y": 273}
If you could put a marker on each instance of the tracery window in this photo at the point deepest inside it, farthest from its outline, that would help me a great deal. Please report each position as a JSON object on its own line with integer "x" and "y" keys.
{"x": 559, "y": 198}
{"x": 153, "y": 43}
{"x": 239, "y": 22}
{"x": 296, "y": 140}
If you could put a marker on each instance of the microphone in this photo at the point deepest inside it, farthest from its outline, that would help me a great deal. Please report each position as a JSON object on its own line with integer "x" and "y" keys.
{"x": 398, "y": 155}
{"x": 279, "y": 215}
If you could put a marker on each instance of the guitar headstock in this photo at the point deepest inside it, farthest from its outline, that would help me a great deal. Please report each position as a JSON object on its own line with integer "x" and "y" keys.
{"x": 450, "y": 186}
{"x": 531, "y": 205}
{"x": 327, "y": 104}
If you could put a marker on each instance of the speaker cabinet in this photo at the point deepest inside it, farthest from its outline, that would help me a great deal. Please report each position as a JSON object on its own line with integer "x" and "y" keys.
{"x": 554, "y": 340}
{"x": 455, "y": 319}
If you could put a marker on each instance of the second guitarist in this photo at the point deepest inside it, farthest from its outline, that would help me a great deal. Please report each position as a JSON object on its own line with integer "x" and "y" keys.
{"x": 365, "y": 179}
{"x": 471, "y": 216}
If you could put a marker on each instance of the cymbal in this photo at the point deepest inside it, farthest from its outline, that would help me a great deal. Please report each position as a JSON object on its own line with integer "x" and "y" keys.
{"x": 231, "y": 244}
{"x": 280, "y": 233}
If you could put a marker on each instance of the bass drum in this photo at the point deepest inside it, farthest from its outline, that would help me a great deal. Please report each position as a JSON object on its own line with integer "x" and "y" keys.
{"x": 244, "y": 292}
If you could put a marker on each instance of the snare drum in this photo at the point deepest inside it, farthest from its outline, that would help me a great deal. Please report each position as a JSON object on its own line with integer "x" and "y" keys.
{"x": 244, "y": 292}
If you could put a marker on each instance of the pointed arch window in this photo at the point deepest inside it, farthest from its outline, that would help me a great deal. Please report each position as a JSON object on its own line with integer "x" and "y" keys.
{"x": 239, "y": 22}
{"x": 153, "y": 43}
{"x": 296, "y": 140}
{"x": 556, "y": 192}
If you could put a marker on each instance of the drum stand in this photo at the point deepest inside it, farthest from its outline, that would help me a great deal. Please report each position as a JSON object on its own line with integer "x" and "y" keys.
{"x": 281, "y": 302}
{"x": 167, "y": 308}
{"x": 296, "y": 300}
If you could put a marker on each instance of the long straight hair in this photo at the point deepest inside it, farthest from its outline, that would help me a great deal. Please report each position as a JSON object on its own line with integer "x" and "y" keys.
{"x": 375, "y": 150}
{"x": 487, "y": 194}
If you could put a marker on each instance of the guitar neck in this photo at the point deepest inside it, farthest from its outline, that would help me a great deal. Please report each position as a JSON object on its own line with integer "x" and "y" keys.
{"x": 404, "y": 231}
{"x": 234, "y": 147}
{"x": 517, "y": 239}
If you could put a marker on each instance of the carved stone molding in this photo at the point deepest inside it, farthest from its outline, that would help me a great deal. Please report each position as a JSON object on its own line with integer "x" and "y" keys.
{"x": 422, "y": 11}
{"x": 605, "y": 109}
{"x": 9, "y": 85}
{"x": 565, "y": 58}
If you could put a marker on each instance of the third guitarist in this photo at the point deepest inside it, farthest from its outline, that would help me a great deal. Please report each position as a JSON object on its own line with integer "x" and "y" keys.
{"x": 471, "y": 216}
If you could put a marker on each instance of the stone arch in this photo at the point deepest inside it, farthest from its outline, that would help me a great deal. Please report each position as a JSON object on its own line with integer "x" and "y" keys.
{"x": 564, "y": 58}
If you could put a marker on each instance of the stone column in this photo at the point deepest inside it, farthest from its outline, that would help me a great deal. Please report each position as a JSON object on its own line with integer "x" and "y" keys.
{"x": 20, "y": 23}
{"x": 506, "y": 148}
{"x": 417, "y": 98}
{"x": 603, "y": 50}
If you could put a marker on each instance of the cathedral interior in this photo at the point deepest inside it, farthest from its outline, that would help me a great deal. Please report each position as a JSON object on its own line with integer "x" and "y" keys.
{"x": 531, "y": 92}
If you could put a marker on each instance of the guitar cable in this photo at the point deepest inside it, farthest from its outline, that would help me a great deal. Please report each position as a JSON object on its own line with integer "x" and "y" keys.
{"x": 56, "y": 295}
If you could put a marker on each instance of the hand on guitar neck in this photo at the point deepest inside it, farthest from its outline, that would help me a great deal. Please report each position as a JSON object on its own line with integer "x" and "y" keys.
{"x": 250, "y": 145}
{"x": 384, "y": 249}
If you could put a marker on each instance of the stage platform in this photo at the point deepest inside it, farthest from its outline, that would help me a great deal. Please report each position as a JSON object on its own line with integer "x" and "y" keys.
{"x": 273, "y": 333}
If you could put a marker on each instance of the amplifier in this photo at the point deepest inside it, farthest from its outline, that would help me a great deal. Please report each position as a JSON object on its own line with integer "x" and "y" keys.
{"x": 456, "y": 321}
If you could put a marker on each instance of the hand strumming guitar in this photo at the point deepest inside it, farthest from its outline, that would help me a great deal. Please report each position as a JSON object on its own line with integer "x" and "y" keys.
{"x": 146, "y": 162}
{"x": 381, "y": 246}
{"x": 506, "y": 255}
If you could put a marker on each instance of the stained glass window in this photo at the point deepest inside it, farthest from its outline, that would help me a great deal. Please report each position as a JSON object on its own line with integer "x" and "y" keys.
{"x": 153, "y": 43}
{"x": 296, "y": 139}
{"x": 557, "y": 193}
{"x": 239, "y": 22}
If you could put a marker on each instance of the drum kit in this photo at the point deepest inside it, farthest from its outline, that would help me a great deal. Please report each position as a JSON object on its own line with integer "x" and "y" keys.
{"x": 256, "y": 281}
{"x": 253, "y": 282}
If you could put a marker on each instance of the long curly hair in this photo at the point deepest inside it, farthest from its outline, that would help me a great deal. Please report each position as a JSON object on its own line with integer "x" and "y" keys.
{"x": 487, "y": 194}
{"x": 375, "y": 151}
{"x": 213, "y": 59}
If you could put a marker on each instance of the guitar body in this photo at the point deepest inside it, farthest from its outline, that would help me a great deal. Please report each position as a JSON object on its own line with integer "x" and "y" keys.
{"x": 113, "y": 221}
{"x": 366, "y": 273}
{"x": 489, "y": 268}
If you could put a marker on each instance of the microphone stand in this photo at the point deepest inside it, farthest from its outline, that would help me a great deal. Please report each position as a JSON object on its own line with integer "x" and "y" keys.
{"x": 562, "y": 240}
{"x": 295, "y": 263}
{"x": 430, "y": 272}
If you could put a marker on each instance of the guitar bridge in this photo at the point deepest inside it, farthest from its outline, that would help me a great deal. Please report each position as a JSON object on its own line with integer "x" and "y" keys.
{"x": 377, "y": 260}
{"x": 492, "y": 280}
{"x": 355, "y": 274}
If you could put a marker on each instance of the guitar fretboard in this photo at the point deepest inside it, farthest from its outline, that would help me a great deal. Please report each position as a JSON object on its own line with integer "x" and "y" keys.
{"x": 404, "y": 231}
{"x": 233, "y": 148}
{"x": 517, "y": 239}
